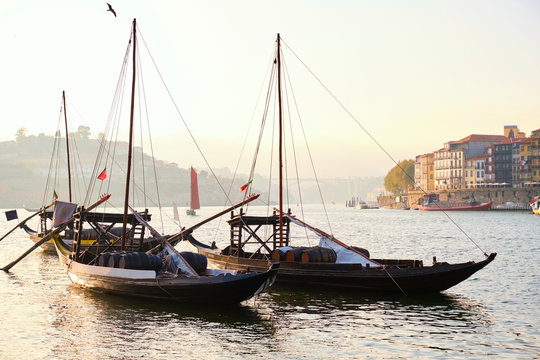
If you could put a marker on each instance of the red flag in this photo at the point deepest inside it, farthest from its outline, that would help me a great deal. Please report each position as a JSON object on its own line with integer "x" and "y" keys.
{"x": 243, "y": 187}
{"x": 103, "y": 174}
{"x": 55, "y": 195}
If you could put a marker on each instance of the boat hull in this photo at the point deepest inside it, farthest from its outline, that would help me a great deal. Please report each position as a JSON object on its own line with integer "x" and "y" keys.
{"x": 388, "y": 279}
{"x": 479, "y": 207}
{"x": 213, "y": 288}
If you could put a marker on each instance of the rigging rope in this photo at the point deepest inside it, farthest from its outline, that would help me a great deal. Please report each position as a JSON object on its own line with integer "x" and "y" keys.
{"x": 287, "y": 85}
{"x": 375, "y": 141}
{"x": 185, "y": 123}
{"x": 310, "y": 156}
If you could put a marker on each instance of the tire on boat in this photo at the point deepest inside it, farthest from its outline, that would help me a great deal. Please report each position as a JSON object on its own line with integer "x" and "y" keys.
{"x": 197, "y": 261}
{"x": 362, "y": 250}
{"x": 318, "y": 255}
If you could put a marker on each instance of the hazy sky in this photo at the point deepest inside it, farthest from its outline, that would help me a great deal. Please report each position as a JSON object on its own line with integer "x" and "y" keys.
{"x": 415, "y": 74}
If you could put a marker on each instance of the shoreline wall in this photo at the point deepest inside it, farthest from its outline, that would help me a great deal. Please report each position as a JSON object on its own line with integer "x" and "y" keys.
{"x": 500, "y": 196}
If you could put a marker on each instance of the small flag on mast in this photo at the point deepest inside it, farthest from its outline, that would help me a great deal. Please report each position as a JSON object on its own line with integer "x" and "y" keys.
{"x": 103, "y": 174}
{"x": 244, "y": 187}
{"x": 55, "y": 195}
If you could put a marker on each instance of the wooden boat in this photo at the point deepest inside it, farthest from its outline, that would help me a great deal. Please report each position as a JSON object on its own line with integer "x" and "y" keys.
{"x": 456, "y": 206}
{"x": 431, "y": 202}
{"x": 332, "y": 263}
{"x": 347, "y": 267}
{"x": 194, "y": 194}
{"x": 161, "y": 272}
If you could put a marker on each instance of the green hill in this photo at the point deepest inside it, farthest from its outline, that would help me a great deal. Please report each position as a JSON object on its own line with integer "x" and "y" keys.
{"x": 26, "y": 162}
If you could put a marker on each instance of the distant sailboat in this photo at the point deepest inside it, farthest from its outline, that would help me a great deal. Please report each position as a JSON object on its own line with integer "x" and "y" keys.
{"x": 194, "y": 204}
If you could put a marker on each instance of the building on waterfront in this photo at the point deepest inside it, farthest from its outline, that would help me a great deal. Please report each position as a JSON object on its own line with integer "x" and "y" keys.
{"x": 502, "y": 153}
{"x": 449, "y": 162}
{"x": 535, "y": 157}
{"x": 482, "y": 160}
{"x": 516, "y": 161}
{"x": 469, "y": 173}
{"x": 525, "y": 154}
{"x": 480, "y": 164}
{"x": 474, "y": 171}
{"x": 424, "y": 177}
{"x": 512, "y": 132}
{"x": 441, "y": 168}
{"x": 489, "y": 174}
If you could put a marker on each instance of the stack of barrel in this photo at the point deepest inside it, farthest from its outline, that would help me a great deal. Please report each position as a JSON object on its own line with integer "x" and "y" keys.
{"x": 305, "y": 254}
{"x": 130, "y": 260}
{"x": 315, "y": 254}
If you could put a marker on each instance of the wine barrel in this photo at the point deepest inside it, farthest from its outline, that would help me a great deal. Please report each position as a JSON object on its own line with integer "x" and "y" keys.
{"x": 319, "y": 255}
{"x": 112, "y": 261}
{"x": 139, "y": 261}
{"x": 154, "y": 262}
{"x": 197, "y": 261}
{"x": 295, "y": 253}
{"x": 130, "y": 260}
{"x": 103, "y": 259}
{"x": 279, "y": 254}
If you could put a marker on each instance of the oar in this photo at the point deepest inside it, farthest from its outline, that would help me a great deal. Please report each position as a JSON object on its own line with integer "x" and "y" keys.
{"x": 53, "y": 232}
{"x": 173, "y": 239}
{"x": 25, "y": 220}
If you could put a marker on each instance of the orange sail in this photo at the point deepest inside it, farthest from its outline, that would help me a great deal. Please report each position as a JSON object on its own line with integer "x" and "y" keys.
{"x": 194, "y": 191}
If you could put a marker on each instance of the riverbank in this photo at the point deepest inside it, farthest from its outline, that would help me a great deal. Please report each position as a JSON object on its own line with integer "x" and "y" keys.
{"x": 503, "y": 198}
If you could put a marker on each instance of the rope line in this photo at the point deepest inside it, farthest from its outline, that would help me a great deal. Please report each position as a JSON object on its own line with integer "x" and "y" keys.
{"x": 375, "y": 141}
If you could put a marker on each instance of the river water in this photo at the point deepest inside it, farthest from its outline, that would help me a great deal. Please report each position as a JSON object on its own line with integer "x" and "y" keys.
{"x": 494, "y": 313}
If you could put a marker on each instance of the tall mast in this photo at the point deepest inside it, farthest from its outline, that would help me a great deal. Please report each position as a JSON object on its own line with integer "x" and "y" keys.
{"x": 130, "y": 145}
{"x": 280, "y": 143}
{"x": 67, "y": 144}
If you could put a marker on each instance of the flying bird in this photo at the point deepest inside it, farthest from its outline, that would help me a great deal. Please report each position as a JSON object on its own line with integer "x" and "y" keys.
{"x": 111, "y": 9}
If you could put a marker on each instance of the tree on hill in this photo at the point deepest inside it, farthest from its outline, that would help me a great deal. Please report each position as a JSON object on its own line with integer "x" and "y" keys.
{"x": 400, "y": 177}
{"x": 21, "y": 133}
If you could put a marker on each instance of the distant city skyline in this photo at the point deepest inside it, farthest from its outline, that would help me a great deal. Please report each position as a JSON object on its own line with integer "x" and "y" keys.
{"x": 414, "y": 74}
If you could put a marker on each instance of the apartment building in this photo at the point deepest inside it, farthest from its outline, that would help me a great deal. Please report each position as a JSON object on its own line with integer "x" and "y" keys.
{"x": 481, "y": 160}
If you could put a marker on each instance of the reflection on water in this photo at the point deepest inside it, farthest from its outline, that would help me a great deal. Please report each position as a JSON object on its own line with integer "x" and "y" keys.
{"x": 431, "y": 310}
{"x": 152, "y": 329}
{"x": 492, "y": 313}
{"x": 387, "y": 323}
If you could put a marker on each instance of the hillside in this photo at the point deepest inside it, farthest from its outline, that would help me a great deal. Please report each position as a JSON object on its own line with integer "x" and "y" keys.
{"x": 25, "y": 164}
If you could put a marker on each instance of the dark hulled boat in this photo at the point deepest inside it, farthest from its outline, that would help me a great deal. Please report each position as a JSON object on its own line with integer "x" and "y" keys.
{"x": 349, "y": 267}
{"x": 124, "y": 268}
{"x": 331, "y": 263}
